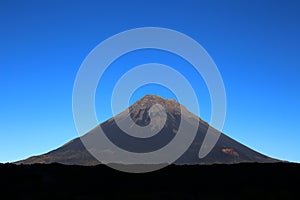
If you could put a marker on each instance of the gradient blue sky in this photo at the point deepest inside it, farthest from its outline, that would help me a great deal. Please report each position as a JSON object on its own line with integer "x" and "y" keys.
{"x": 255, "y": 45}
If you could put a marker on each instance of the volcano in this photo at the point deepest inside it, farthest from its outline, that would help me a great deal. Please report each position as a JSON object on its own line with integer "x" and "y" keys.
{"x": 142, "y": 113}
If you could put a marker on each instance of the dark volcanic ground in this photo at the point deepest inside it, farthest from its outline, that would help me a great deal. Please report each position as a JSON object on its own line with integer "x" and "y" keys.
{"x": 237, "y": 181}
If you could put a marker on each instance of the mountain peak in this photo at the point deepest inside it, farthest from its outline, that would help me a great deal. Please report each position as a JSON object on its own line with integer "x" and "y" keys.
{"x": 153, "y": 106}
{"x": 156, "y": 98}
{"x": 151, "y": 96}
{"x": 149, "y": 100}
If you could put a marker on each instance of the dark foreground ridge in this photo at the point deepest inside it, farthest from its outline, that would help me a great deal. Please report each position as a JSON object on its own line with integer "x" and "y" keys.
{"x": 236, "y": 181}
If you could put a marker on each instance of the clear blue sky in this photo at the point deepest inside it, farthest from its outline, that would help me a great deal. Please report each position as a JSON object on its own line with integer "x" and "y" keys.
{"x": 255, "y": 45}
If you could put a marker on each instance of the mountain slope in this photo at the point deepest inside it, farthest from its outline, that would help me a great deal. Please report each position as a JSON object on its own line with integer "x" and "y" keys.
{"x": 226, "y": 150}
